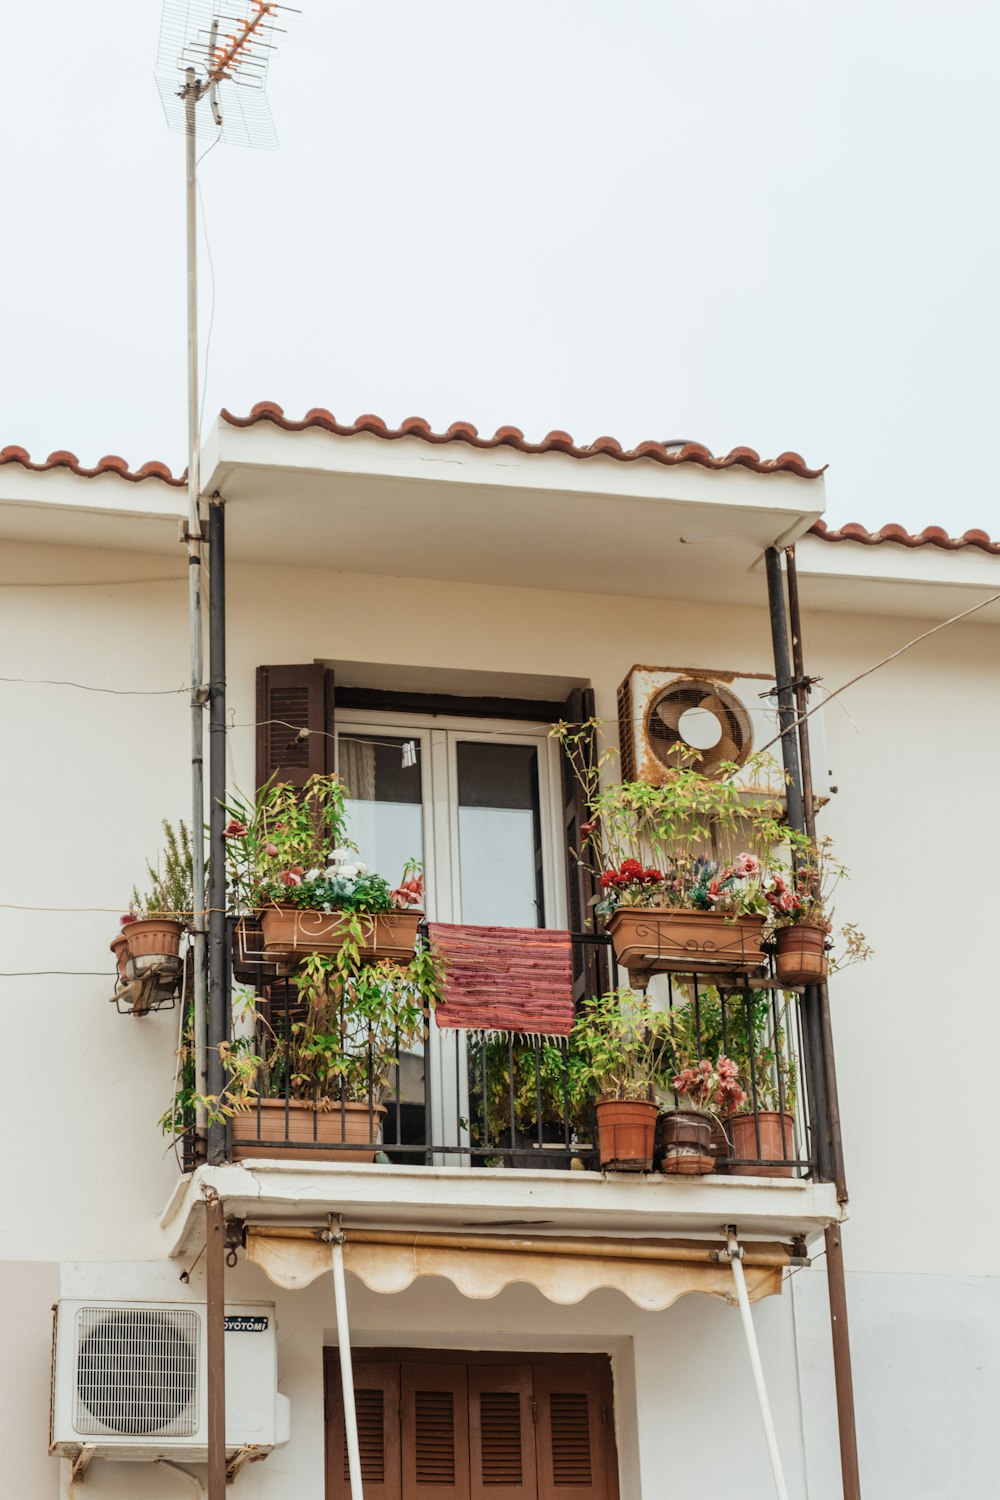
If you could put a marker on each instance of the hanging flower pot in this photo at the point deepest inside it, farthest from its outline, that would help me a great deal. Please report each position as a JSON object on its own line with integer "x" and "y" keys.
{"x": 626, "y": 1134}
{"x": 292, "y": 933}
{"x": 152, "y": 940}
{"x": 687, "y": 1143}
{"x": 658, "y": 940}
{"x": 119, "y": 947}
{"x": 293, "y": 1130}
{"x": 801, "y": 954}
{"x": 776, "y": 1134}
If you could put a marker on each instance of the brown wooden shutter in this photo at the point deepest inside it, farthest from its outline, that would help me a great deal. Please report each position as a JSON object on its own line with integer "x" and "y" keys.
{"x": 376, "y": 1400}
{"x": 435, "y": 1432}
{"x": 290, "y": 699}
{"x": 591, "y": 975}
{"x": 574, "y": 1432}
{"x": 501, "y": 1433}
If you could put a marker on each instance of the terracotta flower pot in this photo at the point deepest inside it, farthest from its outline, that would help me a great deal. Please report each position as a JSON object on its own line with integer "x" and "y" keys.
{"x": 291, "y": 934}
{"x": 626, "y": 1134}
{"x": 153, "y": 940}
{"x": 275, "y": 1136}
{"x": 687, "y": 1143}
{"x": 801, "y": 956}
{"x": 777, "y": 1139}
{"x": 657, "y": 940}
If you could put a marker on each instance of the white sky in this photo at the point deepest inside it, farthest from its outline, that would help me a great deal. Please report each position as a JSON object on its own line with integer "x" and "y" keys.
{"x": 738, "y": 221}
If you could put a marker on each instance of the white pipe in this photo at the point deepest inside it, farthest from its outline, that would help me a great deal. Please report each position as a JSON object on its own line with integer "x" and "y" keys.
{"x": 735, "y": 1255}
{"x": 346, "y": 1367}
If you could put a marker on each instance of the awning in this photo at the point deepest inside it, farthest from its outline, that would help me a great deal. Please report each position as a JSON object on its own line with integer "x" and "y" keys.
{"x": 653, "y": 1274}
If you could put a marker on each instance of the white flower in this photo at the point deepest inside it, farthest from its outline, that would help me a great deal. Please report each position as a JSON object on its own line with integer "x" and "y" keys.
{"x": 312, "y": 875}
{"x": 333, "y": 873}
{"x": 337, "y": 856}
{"x": 348, "y": 872}
{"x": 360, "y": 869}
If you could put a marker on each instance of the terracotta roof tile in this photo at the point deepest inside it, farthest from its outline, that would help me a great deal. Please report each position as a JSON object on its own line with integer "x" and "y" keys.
{"x": 931, "y": 536}
{"x": 110, "y": 464}
{"x": 513, "y": 437}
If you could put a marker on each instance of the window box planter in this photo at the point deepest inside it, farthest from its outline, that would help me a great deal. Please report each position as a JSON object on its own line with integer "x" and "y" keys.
{"x": 777, "y": 1140}
{"x": 687, "y": 1143}
{"x": 292, "y": 933}
{"x": 626, "y": 1134}
{"x": 266, "y": 1130}
{"x": 659, "y": 940}
{"x": 801, "y": 955}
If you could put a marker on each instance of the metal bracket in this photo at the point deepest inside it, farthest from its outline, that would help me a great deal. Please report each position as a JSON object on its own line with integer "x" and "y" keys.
{"x": 252, "y": 1453}
{"x": 82, "y": 1463}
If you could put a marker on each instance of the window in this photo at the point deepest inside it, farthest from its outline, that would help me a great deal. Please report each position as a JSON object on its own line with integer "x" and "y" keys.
{"x": 456, "y": 1426}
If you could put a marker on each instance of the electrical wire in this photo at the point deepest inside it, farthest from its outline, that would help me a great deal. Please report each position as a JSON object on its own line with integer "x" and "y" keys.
{"x": 94, "y": 583}
{"x": 89, "y": 687}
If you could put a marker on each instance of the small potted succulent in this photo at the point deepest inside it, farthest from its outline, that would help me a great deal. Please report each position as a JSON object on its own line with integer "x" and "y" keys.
{"x": 315, "y": 1086}
{"x": 683, "y": 866}
{"x": 621, "y": 1041}
{"x": 154, "y": 924}
{"x": 800, "y": 896}
{"x": 291, "y": 863}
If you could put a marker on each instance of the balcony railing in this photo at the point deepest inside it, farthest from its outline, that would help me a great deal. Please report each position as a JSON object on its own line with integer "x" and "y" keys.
{"x": 464, "y": 1099}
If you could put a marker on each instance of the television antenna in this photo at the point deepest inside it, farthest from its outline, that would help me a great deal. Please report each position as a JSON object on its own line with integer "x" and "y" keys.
{"x": 211, "y": 72}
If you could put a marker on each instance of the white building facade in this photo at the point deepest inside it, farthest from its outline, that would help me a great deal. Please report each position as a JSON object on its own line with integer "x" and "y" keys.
{"x": 454, "y": 592}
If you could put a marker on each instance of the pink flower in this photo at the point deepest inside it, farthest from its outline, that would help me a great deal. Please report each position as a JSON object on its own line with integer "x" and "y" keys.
{"x": 747, "y": 865}
{"x": 235, "y": 829}
{"x": 292, "y": 876}
{"x": 270, "y": 850}
{"x": 410, "y": 893}
{"x": 129, "y": 916}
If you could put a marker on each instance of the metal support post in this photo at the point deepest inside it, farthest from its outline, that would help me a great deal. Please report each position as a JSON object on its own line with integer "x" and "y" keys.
{"x": 842, "y": 1373}
{"x": 734, "y": 1254}
{"x": 346, "y": 1363}
{"x": 215, "y": 1328}
{"x": 196, "y": 651}
{"x": 218, "y": 945}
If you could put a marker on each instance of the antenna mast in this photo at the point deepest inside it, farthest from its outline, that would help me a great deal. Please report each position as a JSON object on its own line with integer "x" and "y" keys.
{"x": 219, "y": 61}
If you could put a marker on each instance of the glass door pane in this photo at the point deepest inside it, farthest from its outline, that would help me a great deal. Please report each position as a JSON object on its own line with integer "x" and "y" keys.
{"x": 385, "y": 812}
{"x": 499, "y": 834}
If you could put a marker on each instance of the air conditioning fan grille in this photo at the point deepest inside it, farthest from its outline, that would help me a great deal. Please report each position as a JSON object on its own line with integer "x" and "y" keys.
{"x": 136, "y": 1372}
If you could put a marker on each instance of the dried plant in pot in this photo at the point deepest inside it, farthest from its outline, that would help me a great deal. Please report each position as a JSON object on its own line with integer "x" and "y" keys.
{"x": 314, "y": 1085}
{"x": 800, "y": 897}
{"x": 619, "y": 1039}
{"x": 682, "y": 866}
{"x": 154, "y": 925}
{"x": 291, "y": 863}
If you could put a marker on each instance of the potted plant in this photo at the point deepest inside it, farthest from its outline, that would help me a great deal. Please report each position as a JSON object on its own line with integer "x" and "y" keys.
{"x": 621, "y": 1040}
{"x": 291, "y": 862}
{"x": 762, "y": 1127}
{"x": 683, "y": 866}
{"x": 800, "y": 896}
{"x": 318, "y": 1083}
{"x": 529, "y": 1099}
{"x": 154, "y": 924}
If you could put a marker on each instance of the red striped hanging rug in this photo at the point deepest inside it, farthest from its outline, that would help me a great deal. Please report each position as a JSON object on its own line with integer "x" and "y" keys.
{"x": 509, "y": 979}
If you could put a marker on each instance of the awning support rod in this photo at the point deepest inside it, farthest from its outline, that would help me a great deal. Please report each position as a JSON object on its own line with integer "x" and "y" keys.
{"x": 734, "y": 1254}
{"x": 336, "y": 1238}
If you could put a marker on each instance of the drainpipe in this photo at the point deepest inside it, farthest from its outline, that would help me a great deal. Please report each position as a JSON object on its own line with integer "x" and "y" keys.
{"x": 734, "y": 1254}
{"x": 218, "y": 948}
{"x": 215, "y": 1336}
{"x": 336, "y": 1238}
{"x": 836, "y": 1281}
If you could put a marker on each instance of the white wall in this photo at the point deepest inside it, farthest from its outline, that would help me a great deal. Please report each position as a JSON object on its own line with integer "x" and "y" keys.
{"x": 915, "y": 817}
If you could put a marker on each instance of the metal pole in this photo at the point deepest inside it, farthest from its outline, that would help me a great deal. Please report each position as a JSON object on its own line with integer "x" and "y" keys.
{"x": 735, "y": 1256}
{"x": 218, "y": 945}
{"x": 842, "y": 1374}
{"x": 215, "y": 1329}
{"x": 195, "y": 669}
{"x": 811, "y": 1020}
{"x": 346, "y": 1367}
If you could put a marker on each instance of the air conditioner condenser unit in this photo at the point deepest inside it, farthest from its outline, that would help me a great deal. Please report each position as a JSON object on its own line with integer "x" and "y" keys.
{"x": 666, "y": 713}
{"x": 129, "y": 1380}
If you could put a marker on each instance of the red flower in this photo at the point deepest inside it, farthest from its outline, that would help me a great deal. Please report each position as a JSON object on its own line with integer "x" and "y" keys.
{"x": 631, "y": 869}
{"x": 586, "y": 829}
{"x": 129, "y": 916}
{"x": 235, "y": 829}
{"x": 608, "y": 879}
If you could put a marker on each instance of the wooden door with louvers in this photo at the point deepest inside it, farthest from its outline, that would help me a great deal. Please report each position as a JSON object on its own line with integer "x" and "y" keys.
{"x": 474, "y": 1427}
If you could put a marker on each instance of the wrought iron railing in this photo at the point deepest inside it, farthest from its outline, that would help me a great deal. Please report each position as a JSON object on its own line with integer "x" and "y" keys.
{"x": 462, "y": 1098}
